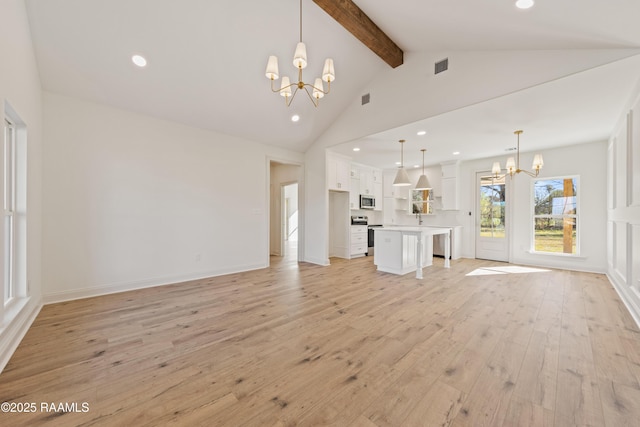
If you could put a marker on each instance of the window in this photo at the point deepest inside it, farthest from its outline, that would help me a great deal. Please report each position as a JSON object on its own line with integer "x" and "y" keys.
{"x": 493, "y": 192}
{"x": 555, "y": 218}
{"x": 13, "y": 234}
{"x": 421, "y": 202}
{"x": 9, "y": 202}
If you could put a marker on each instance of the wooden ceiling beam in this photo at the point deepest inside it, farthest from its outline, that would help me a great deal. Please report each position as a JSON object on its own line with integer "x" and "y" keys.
{"x": 354, "y": 20}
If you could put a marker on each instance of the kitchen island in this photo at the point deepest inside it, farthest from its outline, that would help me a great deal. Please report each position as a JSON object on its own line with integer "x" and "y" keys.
{"x": 401, "y": 250}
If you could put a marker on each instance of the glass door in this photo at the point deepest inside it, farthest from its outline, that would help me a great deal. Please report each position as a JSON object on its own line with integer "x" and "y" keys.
{"x": 491, "y": 221}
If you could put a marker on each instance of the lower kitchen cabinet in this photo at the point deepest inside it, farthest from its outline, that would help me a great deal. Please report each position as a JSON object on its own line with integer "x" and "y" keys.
{"x": 359, "y": 240}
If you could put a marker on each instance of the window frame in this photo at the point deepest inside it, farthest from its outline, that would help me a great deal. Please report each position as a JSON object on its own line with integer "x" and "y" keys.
{"x": 16, "y": 291}
{"x": 10, "y": 286}
{"x": 575, "y": 216}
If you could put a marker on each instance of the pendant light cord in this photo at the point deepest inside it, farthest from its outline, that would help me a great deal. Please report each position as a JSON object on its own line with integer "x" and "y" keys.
{"x": 300, "y": 21}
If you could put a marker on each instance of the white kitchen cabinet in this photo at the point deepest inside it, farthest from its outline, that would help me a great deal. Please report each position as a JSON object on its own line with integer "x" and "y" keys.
{"x": 450, "y": 184}
{"x": 397, "y": 249}
{"x": 376, "y": 174}
{"x": 355, "y": 171}
{"x": 450, "y": 194}
{"x": 366, "y": 181}
{"x": 359, "y": 240}
{"x": 434, "y": 174}
{"x": 338, "y": 172}
{"x": 377, "y": 192}
{"x": 354, "y": 195}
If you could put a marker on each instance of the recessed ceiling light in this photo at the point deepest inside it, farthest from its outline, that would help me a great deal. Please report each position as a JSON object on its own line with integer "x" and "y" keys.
{"x": 295, "y": 118}
{"x": 455, "y": 153}
{"x": 356, "y": 149}
{"x": 524, "y": 4}
{"x": 416, "y": 166}
{"x": 422, "y": 132}
{"x": 140, "y": 61}
{"x": 398, "y": 163}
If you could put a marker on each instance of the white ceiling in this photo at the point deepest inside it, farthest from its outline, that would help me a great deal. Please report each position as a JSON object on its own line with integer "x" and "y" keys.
{"x": 207, "y": 60}
{"x": 571, "y": 110}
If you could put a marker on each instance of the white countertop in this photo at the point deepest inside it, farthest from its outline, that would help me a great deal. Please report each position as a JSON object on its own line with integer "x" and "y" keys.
{"x": 417, "y": 229}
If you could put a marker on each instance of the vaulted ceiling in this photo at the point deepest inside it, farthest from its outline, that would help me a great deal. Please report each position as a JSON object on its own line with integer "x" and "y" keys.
{"x": 206, "y": 61}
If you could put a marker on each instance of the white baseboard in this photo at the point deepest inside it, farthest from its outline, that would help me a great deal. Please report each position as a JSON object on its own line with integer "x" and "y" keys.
{"x": 559, "y": 265}
{"x": 318, "y": 261}
{"x": 93, "y": 291}
{"x": 629, "y": 297}
{"x": 12, "y": 333}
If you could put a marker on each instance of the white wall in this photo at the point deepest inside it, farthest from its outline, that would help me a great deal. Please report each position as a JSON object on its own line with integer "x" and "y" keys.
{"x": 20, "y": 88}
{"x": 410, "y": 93}
{"x": 623, "y": 203}
{"x": 133, "y": 201}
{"x": 588, "y": 161}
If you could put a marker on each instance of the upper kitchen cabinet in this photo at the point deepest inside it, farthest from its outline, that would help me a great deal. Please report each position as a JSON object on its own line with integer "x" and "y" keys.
{"x": 377, "y": 192}
{"x": 434, "y": 175}
{"x": 369, "y": 178}
{"x": 367, "y": 181}
{"x": 377, "y": 176}
{"x": 338, "y": 172}
{"x": 450, "y": 184}
{"x": 354, "y": 193}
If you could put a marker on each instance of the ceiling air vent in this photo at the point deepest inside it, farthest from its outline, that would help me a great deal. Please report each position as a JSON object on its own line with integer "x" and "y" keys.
{"x": 366, "y": 98}
{"x": 442, "y": 65}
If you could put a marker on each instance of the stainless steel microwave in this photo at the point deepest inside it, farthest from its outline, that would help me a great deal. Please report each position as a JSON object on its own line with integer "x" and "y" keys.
{"x": 367, "y": 202}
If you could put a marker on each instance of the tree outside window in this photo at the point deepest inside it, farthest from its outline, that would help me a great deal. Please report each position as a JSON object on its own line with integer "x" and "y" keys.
{"x": 555, "y": 215}
{"x": 492, "y": 207}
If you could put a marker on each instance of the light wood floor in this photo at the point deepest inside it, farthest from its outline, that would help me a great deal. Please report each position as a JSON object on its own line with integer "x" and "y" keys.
{"x": 339, "y": 345}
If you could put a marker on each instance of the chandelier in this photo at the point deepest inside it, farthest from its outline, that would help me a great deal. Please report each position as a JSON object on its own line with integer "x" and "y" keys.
{"x": 287, "y": 89}
{"x": 513, "y": 166}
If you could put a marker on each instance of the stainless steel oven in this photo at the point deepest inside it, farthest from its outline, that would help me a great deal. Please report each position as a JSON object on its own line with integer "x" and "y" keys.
{"x": 371, "y": 237}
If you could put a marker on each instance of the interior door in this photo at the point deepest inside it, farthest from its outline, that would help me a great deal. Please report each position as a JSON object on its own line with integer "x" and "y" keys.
{"x": 492, "y": 222}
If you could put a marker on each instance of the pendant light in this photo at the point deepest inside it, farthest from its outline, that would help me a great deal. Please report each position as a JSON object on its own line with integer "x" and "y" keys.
{"x": 423, "y": 182}
{"x": 402, "y": 177}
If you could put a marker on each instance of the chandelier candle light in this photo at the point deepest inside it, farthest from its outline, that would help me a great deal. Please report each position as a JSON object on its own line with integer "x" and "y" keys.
{"x": 402, "y": 177}
{"x": 513, "y": 166}
{"x": 300, "y": 62}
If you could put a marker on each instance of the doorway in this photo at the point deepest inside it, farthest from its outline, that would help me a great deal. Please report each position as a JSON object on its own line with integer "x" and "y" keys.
{"x": 289, "y": 221}
{"x": 492, "y": 222}
{"x": 286, "y": 216}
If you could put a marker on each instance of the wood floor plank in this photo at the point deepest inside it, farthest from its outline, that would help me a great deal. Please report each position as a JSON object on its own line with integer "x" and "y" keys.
{"x": 439, "y": 406}
{"x": 488, "y": 401}
{"x": 523, "y": 413}
{"x": 301, "y": 344}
